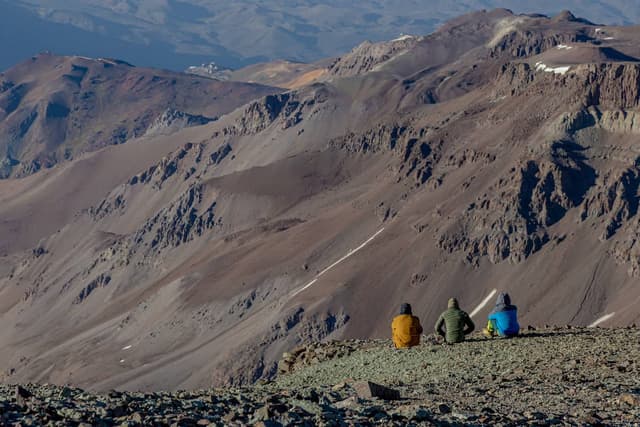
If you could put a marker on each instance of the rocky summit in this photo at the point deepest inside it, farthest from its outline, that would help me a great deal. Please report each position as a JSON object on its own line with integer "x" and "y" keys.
{"x": 553, "y": 376}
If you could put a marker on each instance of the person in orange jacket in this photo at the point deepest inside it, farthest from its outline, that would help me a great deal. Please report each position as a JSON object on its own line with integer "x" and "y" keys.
{"x": 405, "y": 328}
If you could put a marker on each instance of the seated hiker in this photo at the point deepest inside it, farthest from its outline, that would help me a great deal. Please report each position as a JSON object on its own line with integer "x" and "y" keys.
{"x": 454, "y": 323}
{"x": 406, "y": 328}
{"x": 503, "y": 320}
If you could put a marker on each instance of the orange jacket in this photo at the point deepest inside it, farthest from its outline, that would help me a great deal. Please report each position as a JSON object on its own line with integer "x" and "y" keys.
{"x": 406, "y": 330}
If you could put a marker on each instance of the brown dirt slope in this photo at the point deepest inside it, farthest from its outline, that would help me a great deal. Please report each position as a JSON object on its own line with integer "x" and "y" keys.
{"x": 453, "y": 169}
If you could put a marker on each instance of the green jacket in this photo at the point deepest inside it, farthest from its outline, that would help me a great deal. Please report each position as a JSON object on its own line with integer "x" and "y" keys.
{"x": 457, "y": 324}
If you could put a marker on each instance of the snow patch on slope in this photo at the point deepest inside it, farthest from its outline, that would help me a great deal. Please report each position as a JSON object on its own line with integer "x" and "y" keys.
{"x": 403, "y": 37}
{"x": 351, "y": 252}
{"x": 602, "y": 319}
{"x": 556, "y": 70}
{"x": 483, "y": 303}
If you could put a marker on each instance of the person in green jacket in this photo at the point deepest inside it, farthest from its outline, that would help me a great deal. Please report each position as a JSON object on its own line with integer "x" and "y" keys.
{"x": 454, "y": 323}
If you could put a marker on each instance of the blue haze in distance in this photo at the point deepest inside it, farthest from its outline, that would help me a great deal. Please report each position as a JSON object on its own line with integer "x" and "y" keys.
{"x": 176, "y": 33}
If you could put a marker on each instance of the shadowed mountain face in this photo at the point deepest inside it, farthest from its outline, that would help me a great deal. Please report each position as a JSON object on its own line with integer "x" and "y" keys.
{"x": 497, "y": 153}
{"x": 177, "y": 33}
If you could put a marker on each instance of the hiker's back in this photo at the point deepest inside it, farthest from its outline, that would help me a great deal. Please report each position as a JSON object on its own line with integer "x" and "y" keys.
{"x": 454, "y": 323}
{"x": 406, "y": 331}
{"x": 405, "y": 328}
{"x": 454, "y": 320}
{"x": 503, "y": 320}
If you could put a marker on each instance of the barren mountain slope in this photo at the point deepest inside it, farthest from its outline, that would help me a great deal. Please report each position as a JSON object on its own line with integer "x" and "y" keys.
{"x": 54, "y": 108}
{"x": 286, "y": 74}
{"x": 457, "y": 167}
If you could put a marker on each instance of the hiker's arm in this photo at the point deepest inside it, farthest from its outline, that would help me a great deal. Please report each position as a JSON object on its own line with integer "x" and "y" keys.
{"x": 469, "y": 326}
{"x": 439, "y": 327}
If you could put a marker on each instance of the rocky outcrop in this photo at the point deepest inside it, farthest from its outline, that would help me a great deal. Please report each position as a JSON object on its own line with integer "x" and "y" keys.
{"x": 11, "y": 96}
{"x": 416, "y": 153}
{"x": 180, "y": 164}
{"x": 219, "y": 155}
{"x": 525, "y": 36}
{"x": 609, "y": 86}
{"x": 381, "y": 138}
{"x": 260, "y": 114}
{"x": 367, "y": 56}
{"x": 5, "y": 85}
{"x": 181, "y": 221}
{"x": 522, "y": 43}
{"x": 510, "y": 220}
{"x": 617, "y": 201}
{"x": 99, "y": 282}
{"x": 171, "y": 121}
{"x": 286, "y": 109}
{"x": 619, "y": 121}
{"x": 6, "y": 166}
{"x": 616, "y": 198}
{"x": 626, "y": 252}
{"x": 314, "y": 353}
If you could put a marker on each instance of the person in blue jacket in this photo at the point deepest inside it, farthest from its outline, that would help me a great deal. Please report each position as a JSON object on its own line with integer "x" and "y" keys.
{"x": 503, "y": 320}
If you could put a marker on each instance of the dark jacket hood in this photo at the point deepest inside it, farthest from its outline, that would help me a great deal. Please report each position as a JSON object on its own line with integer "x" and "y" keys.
{"x": 405, "y": 309}
{"x": 503, "y": 303}
{"x": 503, "y": 299}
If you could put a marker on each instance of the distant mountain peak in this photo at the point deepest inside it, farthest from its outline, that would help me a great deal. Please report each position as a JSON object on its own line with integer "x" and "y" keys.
{"x": 568, "y": 16}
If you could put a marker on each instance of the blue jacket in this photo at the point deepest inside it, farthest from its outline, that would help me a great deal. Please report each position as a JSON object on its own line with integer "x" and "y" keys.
{"x": 505, "y": 316}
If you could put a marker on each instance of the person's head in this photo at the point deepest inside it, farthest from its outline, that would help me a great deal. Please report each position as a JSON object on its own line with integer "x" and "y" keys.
{"x": 405, "y": 308}
{"x": 453, "y": 303}
{"x": 503, "y": 299}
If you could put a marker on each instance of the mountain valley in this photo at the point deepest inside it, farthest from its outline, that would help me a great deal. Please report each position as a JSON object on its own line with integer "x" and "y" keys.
{"x": 161, "y": 230}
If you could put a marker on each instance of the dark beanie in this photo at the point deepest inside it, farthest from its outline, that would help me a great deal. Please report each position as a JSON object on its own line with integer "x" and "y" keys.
{"x": 405, "y": 308}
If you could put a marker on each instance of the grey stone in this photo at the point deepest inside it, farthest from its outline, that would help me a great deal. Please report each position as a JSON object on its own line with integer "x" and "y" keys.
{"x": 444, "y": 408}
{"x": 368, "y": 390}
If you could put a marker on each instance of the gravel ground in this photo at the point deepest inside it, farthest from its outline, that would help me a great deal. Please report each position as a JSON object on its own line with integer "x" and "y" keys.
{"x": 550, "y": 377}
{"x": 575, "y": 375}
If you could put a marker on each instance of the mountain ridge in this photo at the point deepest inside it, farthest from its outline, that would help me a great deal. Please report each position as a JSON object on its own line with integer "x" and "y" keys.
{"x": 243, "y": 33}
{"x": 206, "y": 253}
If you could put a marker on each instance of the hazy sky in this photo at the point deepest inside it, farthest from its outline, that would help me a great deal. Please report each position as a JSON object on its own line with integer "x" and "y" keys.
{"x": 174, "y": 34}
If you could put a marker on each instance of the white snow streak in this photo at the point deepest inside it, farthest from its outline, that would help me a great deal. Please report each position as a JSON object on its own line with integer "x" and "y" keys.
{"x": 564, "y": 46}
{"x": 351, "y": 252}
{"x": 127, "y": 347}
{"x": 483, "y": 303}
{"x": 557, "y": 70}
{"x": 403, "y": 37}
{"x": 602, "y": 319}
{"x": 609, "y": 38}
